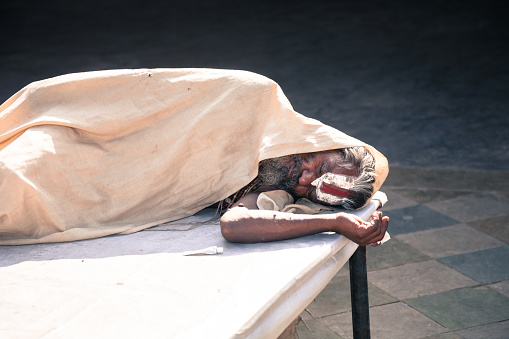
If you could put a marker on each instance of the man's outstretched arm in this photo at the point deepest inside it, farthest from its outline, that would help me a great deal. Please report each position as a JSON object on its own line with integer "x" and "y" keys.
{"x": 244, "y": 225}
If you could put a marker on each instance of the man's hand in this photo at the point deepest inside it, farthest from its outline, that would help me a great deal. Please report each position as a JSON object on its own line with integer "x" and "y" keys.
{"x": 360, "y": 231}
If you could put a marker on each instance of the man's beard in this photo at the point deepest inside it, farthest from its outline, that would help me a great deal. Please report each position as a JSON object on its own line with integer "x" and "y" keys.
{"x": 273, "y": 172}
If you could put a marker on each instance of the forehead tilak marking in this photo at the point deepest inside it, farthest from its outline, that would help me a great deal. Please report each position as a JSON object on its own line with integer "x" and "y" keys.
{"x": 338, "y": 180}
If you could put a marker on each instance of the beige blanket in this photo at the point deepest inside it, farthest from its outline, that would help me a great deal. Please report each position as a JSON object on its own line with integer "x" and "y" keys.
{"x": 92, "y": 154}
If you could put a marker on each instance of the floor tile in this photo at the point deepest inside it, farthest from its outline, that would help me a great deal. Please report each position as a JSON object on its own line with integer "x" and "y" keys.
{"x": 305, "y": 315}
{"x": 450, "y": 240}
{"x": 392, "y": 253}
{"x": 447, "y": 179}
{"x": 316, "y": 330}
{"x": 447, "y": 335}
{"x": 503, "y": 193}
{"x": 487, "y": 266}
{"x": 416, "y": 218}
{"x": 463, "y": 308}
{"x": 501, "y": 287}
{"x": 497, "y": 227}
{"x": 423, "y": 278}
{"x": 391, "y": 321}
{"x": 396, "y": 200}
{"x": 423, "y": 196}
{"x": 335, "y": 298}
{"x": 498, "y": 330}
{"x": 472, "y": 207}
{"x": 343, "y": 272}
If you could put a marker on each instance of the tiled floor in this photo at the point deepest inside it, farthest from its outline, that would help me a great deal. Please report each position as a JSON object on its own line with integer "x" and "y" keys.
{"x": 444, "y": 274}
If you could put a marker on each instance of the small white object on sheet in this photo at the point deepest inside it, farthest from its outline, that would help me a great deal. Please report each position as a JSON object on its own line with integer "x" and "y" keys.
{"x": 206, "y": 251}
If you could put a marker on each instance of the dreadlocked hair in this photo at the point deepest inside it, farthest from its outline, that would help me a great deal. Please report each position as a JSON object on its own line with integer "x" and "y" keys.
{"x": 363, "y": 183}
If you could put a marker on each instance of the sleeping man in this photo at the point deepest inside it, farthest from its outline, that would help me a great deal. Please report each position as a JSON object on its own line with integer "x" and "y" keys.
{"x": 341, "y": 178}
{"x": 114, "y": 152}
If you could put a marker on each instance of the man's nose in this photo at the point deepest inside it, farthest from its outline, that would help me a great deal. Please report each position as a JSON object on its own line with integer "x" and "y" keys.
{"x": 307, "y": 177}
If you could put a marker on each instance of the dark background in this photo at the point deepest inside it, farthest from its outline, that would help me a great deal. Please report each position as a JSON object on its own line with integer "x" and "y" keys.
{"x": 426, "y": 82}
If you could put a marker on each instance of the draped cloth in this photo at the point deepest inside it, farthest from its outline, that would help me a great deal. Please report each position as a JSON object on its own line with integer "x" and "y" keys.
{"x": 98, "y": 153}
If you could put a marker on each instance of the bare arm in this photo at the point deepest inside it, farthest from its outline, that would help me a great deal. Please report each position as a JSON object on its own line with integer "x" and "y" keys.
{"x": 243, "y": 225}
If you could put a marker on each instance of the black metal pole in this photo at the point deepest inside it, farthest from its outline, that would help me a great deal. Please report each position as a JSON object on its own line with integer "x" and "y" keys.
{"x": 359, "y": 294}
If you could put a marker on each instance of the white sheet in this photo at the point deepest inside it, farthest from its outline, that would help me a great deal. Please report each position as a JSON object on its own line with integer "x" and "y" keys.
{"x": 141, "y": 285}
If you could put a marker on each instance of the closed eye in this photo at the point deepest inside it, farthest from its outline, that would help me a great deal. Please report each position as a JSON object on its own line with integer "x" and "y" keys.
{"x": 322, "y": 169}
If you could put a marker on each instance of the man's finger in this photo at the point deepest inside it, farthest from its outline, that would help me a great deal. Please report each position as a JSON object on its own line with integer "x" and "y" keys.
{"x": 374, "y": 231}
{"x": 379, "y": 229}
{"x": 374, "y": 216}
{"x": 384, "y": 225}
{"x": 385, "y": 221}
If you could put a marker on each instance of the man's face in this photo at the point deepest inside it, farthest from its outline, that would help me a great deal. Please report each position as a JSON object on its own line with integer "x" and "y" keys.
{"x": 295, "y": 173}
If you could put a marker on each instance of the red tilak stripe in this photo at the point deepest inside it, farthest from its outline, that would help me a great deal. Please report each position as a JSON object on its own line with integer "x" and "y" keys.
{"x": 335, "y": 191}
